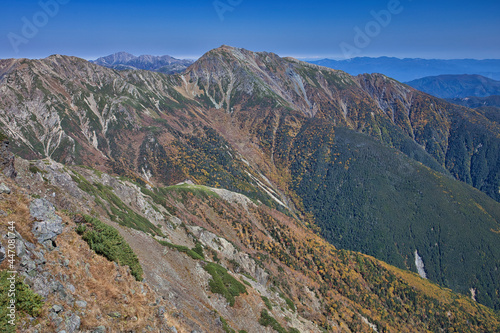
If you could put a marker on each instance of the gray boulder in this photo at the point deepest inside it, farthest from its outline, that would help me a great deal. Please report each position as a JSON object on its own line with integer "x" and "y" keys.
{"x": 4, "y": 189}
{"x": 47, "y": 225}
{"x": 40, "y": 285}
{"x": 57, "y": 308}
{"x": 73, "y": 323}
{"x": 81, "y": 304}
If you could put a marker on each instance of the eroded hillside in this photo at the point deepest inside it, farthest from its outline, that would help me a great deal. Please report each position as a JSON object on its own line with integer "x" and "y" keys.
{"x": 212, "y": 261}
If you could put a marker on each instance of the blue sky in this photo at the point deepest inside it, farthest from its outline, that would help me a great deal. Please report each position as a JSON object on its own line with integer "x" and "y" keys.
{"x": 442, "y": 29}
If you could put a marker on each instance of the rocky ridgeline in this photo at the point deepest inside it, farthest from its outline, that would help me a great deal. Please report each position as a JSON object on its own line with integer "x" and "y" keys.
{"x": 37, "y": 275}
{"x": 52, "y": 269}
{"x": 32, "y": 262}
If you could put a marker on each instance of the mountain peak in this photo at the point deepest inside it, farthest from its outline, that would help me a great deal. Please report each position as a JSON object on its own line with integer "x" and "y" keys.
{"x": 227, "y": 49}
{"x": 115, "y": 58}
{"x": 123, "y": 60}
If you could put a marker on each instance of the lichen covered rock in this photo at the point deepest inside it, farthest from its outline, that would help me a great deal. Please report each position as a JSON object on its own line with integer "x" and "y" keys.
{"x": 48, "y": 224}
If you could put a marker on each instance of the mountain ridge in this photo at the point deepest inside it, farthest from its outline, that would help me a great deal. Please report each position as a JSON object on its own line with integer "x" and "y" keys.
{"x": 457, "y": 86}
{"x": 408, "y": 69}
{"x": 236, "y": 119}
{"x": 126, "y": 61}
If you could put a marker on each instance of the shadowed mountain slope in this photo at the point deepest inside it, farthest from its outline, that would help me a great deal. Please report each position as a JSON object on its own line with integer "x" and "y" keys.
{"x": 457, "y": 86}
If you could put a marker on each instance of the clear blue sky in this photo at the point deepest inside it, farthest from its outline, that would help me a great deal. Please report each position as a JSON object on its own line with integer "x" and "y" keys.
{"x": 306, "y": 29}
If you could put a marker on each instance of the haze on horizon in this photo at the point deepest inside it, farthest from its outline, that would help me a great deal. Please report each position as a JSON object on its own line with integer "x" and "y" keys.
{"x": 314, "y": 30}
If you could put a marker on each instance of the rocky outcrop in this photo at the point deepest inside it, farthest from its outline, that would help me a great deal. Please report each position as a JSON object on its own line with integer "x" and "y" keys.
{"x": 48, "y": 224}
{"x": 4, "y": 188}
{"x": 36, "y": 273}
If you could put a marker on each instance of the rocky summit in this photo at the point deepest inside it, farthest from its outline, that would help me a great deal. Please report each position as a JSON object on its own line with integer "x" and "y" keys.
{"x": 126, "y": 61}
{"x": 247, "y": 193}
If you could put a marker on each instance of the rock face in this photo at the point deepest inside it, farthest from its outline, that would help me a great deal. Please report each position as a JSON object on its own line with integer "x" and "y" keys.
{"x": 419, "y": 263}
{"x": 48, "y": 225}
{"x": 2, "y": 253}
{"x": 7, "y": 160}
{"x": 73, "y": 323}
{"x": 4, "y": 189}
{"x": 38, "y": 277}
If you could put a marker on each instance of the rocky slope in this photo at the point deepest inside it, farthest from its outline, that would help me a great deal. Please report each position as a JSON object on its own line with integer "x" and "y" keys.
{"x": 267, "y": 128}
{"x": 82, "y": 114}
{"x": 207, "y": 243}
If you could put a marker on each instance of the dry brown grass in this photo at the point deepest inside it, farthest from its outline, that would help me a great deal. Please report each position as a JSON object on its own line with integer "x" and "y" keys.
{"x": 17, "y": 211}
{"x": 105, "y": 286}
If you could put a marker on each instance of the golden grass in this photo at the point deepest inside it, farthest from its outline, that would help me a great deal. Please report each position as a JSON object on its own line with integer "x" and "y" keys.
{"x": 105, "y": 287}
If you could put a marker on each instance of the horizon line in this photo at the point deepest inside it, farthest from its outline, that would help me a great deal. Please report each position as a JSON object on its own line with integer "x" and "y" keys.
{"x": 306, "y": 58}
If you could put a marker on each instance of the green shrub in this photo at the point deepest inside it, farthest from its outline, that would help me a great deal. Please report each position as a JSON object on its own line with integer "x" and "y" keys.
{"x": 192, "y": 253}
{"x": 81, "y": 229}
{"x": 199, "y": 249}
{"x": 267, "y": 320}
{"x": 267, "y": 302}
{"x": 223, "y": 283}
{"x": 106, "y": 241}
{"x": 35, "y": 169}
{"x": 248, "y": 276}
{"x": 226, "y": 327}
{"x": 290, "y": 304}
{"x": 27, "y": 302}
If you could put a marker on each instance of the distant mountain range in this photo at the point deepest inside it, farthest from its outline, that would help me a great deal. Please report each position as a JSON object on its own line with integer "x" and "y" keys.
{"x": 477, "y": 102}
{"x": 410, "y": 69}
{"x": 163, "y": 64}
{"x": 457, "y": 86}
